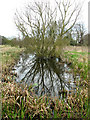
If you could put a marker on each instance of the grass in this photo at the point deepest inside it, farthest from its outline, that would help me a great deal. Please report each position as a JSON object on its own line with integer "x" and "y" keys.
{"x": 22, "y": 105}
{"x": 9, "y": 54}
{"x": 20, "y": 102}
{"x": 79, "y": 62}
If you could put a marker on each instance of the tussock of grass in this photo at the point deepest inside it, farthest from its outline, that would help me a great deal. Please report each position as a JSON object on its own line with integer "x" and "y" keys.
{"x": 18, "y": 102}
{"x": 24, "y": 103}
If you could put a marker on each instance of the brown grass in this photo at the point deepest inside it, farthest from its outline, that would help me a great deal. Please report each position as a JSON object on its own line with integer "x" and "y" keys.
{"x": 83, "y": 49}
{"x": 76, "y": 48}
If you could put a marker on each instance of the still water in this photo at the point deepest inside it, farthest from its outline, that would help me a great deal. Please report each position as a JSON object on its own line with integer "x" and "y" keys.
{"x": 48, "y": 75}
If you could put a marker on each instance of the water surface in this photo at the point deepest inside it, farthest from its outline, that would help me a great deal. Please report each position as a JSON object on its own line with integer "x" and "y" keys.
{"x": 48, "y": 75}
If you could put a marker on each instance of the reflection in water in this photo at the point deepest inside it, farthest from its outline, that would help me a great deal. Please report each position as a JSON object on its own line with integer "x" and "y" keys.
{"x": 50, "y": 76}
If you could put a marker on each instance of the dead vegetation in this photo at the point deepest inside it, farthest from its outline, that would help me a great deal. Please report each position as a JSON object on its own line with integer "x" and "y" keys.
{"x": 19, "y": 100}
{"x": 76, "y": 48}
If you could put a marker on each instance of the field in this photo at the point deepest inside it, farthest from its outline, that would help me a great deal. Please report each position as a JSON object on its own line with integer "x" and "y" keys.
{"x": 18, "y": 102}
{"x": 80, "y": 52}
{"x": 8, "y": 54}
{"x": 76, "y": 48}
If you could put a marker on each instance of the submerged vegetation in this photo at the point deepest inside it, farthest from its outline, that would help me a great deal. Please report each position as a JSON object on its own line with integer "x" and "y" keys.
{"x": 20, "y": 102}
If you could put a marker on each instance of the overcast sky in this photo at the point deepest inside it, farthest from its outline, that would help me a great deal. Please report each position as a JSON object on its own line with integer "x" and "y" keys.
{"x": 8, "y": 8}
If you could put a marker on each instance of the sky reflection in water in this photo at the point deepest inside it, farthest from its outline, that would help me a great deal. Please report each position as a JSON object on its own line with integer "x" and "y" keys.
{"x": 49, "y": 76}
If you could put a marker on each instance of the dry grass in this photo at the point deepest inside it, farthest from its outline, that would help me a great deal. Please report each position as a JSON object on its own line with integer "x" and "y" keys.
{"x": 8, "y": 55}
{"x": 81, "y": 51}
{"x": 17, "y": 98}
{"x": 5, "y": 48}
{"x": 76, "y": 48}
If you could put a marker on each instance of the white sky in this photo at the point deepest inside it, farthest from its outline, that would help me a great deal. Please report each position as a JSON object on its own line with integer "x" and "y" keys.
{"x": 8, "y": 8}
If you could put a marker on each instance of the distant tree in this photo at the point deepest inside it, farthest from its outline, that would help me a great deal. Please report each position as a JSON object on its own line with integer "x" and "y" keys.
{"x": 14, "y": 42}
{"x": 78, "y": 33}
{"x": 85, "y": 39}
{"x": 5, "y": 41}
{"x": 45, "y": 28}
{"x": 0, "y": 40}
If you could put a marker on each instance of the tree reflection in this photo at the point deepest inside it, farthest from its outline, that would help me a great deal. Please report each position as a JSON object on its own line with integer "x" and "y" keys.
{"x": 48, "y": 73}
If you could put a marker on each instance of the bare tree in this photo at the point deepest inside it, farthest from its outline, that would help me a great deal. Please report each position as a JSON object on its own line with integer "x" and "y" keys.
{"x": 45, "y": 28}
{"x": 78, "y": 33}
{"x": 80, "y": 30}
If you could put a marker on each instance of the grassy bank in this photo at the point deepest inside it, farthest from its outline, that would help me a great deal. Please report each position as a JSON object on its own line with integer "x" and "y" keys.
{"x": 79, "y": 63}
{"x": 77, "y": 58}
{"x": 9, "y": 55}
{"x": 20, "y": 102}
